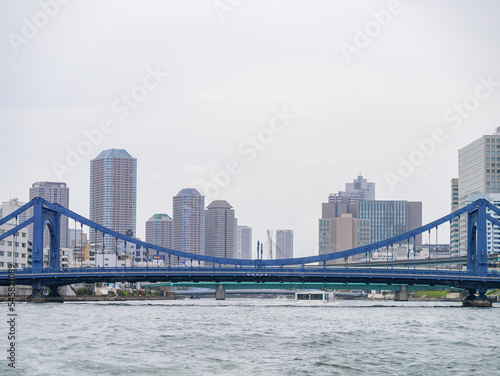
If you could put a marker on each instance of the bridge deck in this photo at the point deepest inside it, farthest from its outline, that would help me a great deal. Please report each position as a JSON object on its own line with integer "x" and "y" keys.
{"x": 462, "y": 279}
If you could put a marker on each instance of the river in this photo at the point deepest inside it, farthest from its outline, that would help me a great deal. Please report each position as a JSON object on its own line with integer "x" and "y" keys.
{"x": 253, "y": 337}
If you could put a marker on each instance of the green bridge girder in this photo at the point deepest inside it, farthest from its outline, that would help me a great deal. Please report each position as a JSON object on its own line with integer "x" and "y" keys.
{"x": 299, "y": 286}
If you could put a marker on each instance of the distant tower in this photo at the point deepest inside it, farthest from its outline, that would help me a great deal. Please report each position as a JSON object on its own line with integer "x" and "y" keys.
{"x": 113, "y": 193}
{"x": 284, "y": 244}
{"x": 219, "y": 229}
{"x": 189, "y": 221}
{"x": 56, "y": 193}
{"x": 244, "y": 242}
{"x": 159, "y": 230}
{"x": 270, "y": 244}
{"x": 359, "y": 190}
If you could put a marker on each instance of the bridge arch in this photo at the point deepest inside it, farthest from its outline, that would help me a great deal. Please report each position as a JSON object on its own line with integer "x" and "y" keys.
{"x": 54, "y": 249}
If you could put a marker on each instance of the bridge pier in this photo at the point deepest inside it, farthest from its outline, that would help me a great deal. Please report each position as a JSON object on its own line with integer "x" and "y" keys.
{"x": 402, "y": 295}
{"x": 220, "y": 294}
{"x": 38, "y": 297}
{"x": 477, "y": 301}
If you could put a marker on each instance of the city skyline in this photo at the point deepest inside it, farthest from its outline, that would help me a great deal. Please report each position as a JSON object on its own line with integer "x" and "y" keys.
{"x": 272, "y": 125}
{"x": 342, "y": 134}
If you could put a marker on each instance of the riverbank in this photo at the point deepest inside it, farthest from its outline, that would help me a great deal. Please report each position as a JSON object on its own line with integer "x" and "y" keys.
{"x": 94, "y": 298}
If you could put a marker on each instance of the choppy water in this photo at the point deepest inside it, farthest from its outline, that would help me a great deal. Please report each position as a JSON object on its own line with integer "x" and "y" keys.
{"x": 254, "y": 337}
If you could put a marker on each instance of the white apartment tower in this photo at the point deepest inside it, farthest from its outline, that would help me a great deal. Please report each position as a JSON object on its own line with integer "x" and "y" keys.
{"x": 188, "y": 224}
{"x": 219, "y": 229}
{"x": 113, "y": 194}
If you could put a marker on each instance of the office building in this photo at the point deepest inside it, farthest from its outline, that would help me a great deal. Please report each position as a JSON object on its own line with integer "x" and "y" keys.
{"x": 391, "y": 218}
{"x": 188, "y": 222}
{"x": 341, "y": 233}
{"x": 360, "y": 189}
{"x": 244, "y": 243}
{"x": 159, "y": 230}
{"x": 284, "y": 244}
{"x": 353, "y": 218}
{"x": 113, "y": 194}
{"x": 478, "y": 172}
{"x": 219, "y": 229}
{"x": 56, "y": 193}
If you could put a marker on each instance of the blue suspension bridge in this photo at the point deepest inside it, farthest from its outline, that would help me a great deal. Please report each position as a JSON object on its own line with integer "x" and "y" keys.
{"x": 474, "y": 275}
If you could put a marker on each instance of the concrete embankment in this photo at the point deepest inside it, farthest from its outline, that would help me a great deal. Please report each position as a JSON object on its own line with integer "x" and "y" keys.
{"x": 91, "y": 298}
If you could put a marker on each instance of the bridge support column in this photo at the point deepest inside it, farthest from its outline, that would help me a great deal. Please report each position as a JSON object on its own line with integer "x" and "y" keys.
{"x": 38, "y": 297}
{"x": 477, "y": 301}
{"x": 402, "y": 295}
{"x": 220, "y": 294}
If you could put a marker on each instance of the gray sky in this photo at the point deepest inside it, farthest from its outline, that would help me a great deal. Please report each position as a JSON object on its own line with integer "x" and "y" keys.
{"x": 365, "y": 81}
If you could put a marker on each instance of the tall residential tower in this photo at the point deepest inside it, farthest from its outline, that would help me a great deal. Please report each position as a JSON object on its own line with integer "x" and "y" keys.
{"x": 113, "y": 193}
{"x": 159, "y": 230}
{"x": 189, "y": 221}
{"x": 219, "y": 229}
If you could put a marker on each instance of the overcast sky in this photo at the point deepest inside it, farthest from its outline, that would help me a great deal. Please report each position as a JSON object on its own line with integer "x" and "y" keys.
{"x": 358, "y": 85}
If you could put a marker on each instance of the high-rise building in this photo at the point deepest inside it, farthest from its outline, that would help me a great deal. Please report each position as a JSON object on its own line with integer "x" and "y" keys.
{"x": 284, "y": 244}
{"x": 478, "y": 172}
{"x": 341, "y": 233}
{"x": 219, "y": 229}
{"x": 455, "y": 223}
{"x": 391, "y": 218}
{"x": 113, "y": 194}
{"x": 360, "y": 189}
{"x": 354, "y": 218}
{"x": 15, "y": 249}
{"x": 56, "y": 193}
{"x": 159, "y": 230}
{"x": 244, "y": 242}
{"x": 270, "y": 245}
{"x": 188, "y": 221}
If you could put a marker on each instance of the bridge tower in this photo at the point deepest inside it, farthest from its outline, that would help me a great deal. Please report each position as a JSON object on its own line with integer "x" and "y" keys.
{"x": 477, "y": 253}
{"x": 52, "y": 219}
